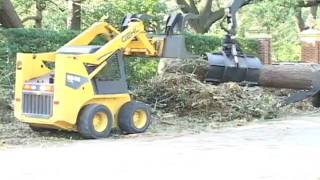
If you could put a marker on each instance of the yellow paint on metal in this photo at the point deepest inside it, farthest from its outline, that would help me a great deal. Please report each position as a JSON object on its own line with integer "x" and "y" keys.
{"x": 28, "y": 66}
{"x": 100, "y": 122}
{"x": 140, "y": 119}
{"x": 121, "y": 41}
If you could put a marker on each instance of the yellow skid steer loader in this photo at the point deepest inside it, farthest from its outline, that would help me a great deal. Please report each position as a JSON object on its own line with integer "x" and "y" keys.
{"x": 82, "y": 87}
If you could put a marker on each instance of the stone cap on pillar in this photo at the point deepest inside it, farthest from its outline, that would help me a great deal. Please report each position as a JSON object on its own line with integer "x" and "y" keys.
{"x": 258, "y": 35}
{"x": 310, "y": 36}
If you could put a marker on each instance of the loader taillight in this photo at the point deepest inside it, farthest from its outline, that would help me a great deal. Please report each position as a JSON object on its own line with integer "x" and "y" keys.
{"x": 41, "y": 88}
{"x": 29, "y": 87}
{"x": 46, "y": 88}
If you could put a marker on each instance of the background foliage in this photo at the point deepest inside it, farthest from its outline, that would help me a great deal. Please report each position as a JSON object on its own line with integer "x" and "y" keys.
{"x": 201, "y": 44}
{"x": 138, "y": 69}
{"x": 113, "y": 11}
{"x": 275, "y": 18}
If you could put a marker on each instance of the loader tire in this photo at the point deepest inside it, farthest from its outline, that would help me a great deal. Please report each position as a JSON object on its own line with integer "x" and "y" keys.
{"x": 95, "y": 121}
{"x": 134, "y": 117}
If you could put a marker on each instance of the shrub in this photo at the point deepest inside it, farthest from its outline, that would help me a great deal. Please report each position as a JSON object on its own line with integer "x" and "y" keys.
{"x": 201, "y": 44}
{"x": 35, "y": 40}
{"x": 140, "y": 69}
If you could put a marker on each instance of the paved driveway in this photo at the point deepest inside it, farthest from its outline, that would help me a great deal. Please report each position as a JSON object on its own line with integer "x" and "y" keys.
{"x": 279, "y": 150}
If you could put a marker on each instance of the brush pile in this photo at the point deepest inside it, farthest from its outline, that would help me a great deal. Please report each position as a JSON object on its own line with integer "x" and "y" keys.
{"x": 183, "y": 93}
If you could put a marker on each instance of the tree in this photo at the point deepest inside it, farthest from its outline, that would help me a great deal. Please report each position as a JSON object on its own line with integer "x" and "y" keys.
{"x": 207, "y": 14}
{"x": 74, "y": 17}
{"x": 40, "y": 7}
{"x": 113, "y": 11}
{"x": 301, "y": 22}
{"x": 210, "y": 11}
{"x": 8, "y": 16}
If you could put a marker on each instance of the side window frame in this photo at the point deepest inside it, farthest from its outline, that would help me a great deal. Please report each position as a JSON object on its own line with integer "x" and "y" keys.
{"x": 113, "y": 87}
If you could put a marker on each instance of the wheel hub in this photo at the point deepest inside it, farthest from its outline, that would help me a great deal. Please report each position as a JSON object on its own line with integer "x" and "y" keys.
{"x": 100, "y": 122}
{"x": 139, "y": 119}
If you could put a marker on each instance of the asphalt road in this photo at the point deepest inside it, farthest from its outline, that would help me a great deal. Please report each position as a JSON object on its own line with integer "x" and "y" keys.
{"x": 278, "y": 150}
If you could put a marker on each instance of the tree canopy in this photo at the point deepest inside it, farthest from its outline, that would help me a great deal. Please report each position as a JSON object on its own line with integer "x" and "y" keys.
{"x": 283, "y": 19}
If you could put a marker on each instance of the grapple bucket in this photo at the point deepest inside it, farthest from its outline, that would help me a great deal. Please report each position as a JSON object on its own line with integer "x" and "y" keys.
{"x": 225, "y": 69}
{"x": 175, "y": 47}
{"x": 175, "y": 43}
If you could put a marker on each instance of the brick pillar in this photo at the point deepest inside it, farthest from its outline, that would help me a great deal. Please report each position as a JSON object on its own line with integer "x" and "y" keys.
{"x": 265, "y": 48}
{"x": 310, "y": 52}
{"x": 310, "y": 42}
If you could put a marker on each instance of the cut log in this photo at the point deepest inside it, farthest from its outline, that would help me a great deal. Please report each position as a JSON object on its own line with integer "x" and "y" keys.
{"x": 288, "y": 76}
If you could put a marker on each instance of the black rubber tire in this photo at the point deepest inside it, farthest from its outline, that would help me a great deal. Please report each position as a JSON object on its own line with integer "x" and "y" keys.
{"x": 85, "y": 121}
{"x": 316, "y": 100}
{"x": 126, "y": 117}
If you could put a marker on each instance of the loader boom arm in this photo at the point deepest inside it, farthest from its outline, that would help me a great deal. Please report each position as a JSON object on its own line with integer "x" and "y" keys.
{"x": 135, "y": 33}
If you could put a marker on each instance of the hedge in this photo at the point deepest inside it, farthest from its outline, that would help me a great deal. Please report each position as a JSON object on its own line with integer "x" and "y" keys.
{"x": 35, "y": 40}
{"x": 201, "y": 44}
{"x": 139, "y": 69}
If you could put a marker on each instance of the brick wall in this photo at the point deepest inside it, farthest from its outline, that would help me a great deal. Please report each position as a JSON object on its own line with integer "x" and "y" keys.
{"x": 265, "y": 48}
{"x": 310, "y": 42}
{"x": 310, "y": 52}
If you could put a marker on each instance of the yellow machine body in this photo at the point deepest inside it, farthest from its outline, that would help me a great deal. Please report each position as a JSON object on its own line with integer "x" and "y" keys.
{"x": 54, "y": 104}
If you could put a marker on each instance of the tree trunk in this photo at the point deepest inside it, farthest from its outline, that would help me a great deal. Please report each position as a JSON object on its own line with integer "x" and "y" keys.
{"x": 8, "y": 16}
{"x": 40, "y": 6}
{"x": 206, "y": 17}
{"x": 300, "y": 21}
{"x": 295, "y": 76}
{"x": 74, "y": 18}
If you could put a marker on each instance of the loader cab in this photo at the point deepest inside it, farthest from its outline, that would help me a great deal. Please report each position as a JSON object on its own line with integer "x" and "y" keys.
{"x": 111, "y": 79}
